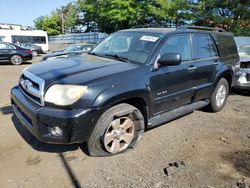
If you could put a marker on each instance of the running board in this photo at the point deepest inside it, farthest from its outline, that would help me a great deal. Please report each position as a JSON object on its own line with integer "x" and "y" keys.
{"x": 175, "y": 113}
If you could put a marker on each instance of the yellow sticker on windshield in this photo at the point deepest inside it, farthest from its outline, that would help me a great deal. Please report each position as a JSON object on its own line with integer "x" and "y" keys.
{"x": 149, "y": 38}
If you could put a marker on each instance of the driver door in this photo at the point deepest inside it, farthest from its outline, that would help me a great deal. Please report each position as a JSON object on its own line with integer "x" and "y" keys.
{"x": 173, "y": 86}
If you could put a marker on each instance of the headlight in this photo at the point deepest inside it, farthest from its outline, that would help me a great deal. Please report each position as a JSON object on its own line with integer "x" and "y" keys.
{"x": 64, "y": 95}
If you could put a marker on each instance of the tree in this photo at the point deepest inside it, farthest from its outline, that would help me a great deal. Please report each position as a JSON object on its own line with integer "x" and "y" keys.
{"x": 111, "y": 15}
{"x": 232, "y": 15}
{"x": 51, "y": 23}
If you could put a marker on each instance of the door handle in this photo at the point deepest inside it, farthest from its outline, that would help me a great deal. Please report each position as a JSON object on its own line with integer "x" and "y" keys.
{"x": 192, "y": 68}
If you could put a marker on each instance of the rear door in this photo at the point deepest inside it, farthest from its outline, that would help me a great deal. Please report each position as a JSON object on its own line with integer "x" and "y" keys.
{"x": 207, "y": 62}
{"x": 4, "y": 52}
{"x": 173, "y": 85}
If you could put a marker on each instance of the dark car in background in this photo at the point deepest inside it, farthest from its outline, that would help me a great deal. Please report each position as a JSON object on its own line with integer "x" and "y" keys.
{"x": 35, "y": 50}
{"x": 75, "y": 49}
{"x": 242, "y": 73}
{"x": 14, "y": 54}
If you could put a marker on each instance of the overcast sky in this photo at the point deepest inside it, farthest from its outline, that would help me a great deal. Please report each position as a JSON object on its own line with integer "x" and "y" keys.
{"x": 24, "y": 12}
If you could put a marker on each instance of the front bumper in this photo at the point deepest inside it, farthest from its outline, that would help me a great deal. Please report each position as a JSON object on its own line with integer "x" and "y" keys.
{"x": 76, "y": 125}
{"x": 27, "y": 57}
{"x": 242, "y": 80}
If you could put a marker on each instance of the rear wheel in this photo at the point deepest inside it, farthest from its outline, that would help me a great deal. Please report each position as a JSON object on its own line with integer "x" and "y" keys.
{"x": 219, "y": 96}
{"x": 16, "y": 60}
{"x": 34, "y": 53}
{"x": 118, "y": 129}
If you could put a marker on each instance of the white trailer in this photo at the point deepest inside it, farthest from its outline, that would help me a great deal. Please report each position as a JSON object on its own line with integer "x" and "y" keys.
{"x": 36, "y": 37}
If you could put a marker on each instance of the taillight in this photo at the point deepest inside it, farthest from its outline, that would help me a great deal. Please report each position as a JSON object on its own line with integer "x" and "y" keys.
{"x": 27, "y": 51}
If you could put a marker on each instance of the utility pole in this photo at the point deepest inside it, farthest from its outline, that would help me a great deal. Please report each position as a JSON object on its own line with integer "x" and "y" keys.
{"x": 62, "y": 22}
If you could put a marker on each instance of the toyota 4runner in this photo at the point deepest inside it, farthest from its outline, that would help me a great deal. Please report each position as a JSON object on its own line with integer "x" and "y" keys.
{"x": 132, "y": 81}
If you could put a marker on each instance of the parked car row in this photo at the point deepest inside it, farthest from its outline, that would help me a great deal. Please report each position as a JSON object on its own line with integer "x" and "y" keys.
{"x": 134, "y": 80}
{"x": 75, "y": 49}
{"x": 19, "y": 52}
{"x": 35, "y": 50}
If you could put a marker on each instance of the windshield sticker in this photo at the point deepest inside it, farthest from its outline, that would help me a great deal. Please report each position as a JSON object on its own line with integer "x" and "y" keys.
{"x": 149, "y": 38}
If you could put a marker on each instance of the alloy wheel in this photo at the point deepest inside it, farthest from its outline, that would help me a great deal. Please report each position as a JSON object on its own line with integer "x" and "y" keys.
{"x": 221, "y": 95}
{"x": 119, "y": 134}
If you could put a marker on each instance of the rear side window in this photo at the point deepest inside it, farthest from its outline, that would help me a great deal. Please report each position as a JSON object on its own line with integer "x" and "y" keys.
{"x": 204, "y": 46}
{"x": 226, "y": 45}
{"x": 6, "y": 46}
{"x": 3, "y": 46}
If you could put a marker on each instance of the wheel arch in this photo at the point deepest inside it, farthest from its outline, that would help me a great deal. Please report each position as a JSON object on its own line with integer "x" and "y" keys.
{"x": 228, "y": 75}
{"x": 135, "y": 94}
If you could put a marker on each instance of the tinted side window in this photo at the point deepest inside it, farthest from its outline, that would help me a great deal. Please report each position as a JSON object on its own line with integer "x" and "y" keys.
{"x": 10, "y": 46}
{"x": 178, "y": 44}
{"x": 204, "y": 46}
{"x": 3, "y": 46}
{"x": 43, "y": 40}
{"x": 28, "y": 39}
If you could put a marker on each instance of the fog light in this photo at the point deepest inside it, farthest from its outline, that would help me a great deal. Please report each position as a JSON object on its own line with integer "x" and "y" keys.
{"x": 56, "y": 131}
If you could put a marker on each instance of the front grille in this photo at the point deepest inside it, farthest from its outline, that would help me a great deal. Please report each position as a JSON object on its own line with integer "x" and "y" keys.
{"x": 33, "y": 87}
{"x": 27, "y": 118}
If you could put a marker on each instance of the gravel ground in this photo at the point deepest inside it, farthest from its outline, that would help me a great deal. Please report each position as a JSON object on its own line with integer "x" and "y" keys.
{"x": 201, "y": 149}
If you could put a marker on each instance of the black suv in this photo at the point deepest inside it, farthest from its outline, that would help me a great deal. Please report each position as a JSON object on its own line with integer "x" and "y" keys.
{"x": 132, "y": 81}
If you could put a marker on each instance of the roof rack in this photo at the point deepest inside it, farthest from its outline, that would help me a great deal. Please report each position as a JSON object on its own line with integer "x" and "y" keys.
{"x": 153, "y": 25}
{"x": 185, "y": 27}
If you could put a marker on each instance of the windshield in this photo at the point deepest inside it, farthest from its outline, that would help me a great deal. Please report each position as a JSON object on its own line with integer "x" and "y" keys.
{"x": 73, "y": 48}
{"x": 134, "y": 46}
{"x": 244, "y": 51}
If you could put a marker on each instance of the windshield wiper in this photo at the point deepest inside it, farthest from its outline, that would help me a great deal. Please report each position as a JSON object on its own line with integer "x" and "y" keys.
{"x": 120, "y": 58}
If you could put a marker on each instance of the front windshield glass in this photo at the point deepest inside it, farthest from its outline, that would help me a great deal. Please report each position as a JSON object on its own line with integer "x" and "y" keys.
{"x": 73, "y": 48}
{"x": 136, "y": 47}
{"x": 244, "y": 51}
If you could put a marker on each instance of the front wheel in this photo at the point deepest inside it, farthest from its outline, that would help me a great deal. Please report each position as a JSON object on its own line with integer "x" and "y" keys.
{"x": 16, "y": 60}
{"x": 119, "y": 128}
{"x": 219, "y": 96}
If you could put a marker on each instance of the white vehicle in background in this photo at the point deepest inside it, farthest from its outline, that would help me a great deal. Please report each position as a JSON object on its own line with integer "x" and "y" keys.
{"x": 36, "y": 37}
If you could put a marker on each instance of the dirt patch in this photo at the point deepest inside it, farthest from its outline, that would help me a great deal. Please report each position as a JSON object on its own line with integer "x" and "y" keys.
{"x": 33, "y": 161}
{"x": 240, "y": 161}
{"x": 213, "y": 146}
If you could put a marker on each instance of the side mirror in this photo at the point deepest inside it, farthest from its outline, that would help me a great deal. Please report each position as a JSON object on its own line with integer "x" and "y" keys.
{"x": 170, "y": 59}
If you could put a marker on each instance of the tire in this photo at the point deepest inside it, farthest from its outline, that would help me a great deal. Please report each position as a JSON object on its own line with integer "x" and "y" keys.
{"x": 34, "y": 53}
{"x": 16, "y": 60}
{"x": 219, "y": 96}
{"x": 119, "y": 122}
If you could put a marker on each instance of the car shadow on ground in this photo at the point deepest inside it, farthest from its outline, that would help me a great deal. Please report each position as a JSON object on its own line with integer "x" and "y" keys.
{"x": 240, "y": 92}
{"x": 6, "y": 110}
{"x": 23, "y": 63}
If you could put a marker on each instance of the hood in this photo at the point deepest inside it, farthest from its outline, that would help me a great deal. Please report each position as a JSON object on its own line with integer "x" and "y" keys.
{"x": 54, "y": 55}
{"x": 78, "y": 69}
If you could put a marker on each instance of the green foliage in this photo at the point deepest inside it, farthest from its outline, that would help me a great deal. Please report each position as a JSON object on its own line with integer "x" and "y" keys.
{"x": 51, "y": 23}
{"x": 112, "y": 15}
{"x": 232, "y": 15}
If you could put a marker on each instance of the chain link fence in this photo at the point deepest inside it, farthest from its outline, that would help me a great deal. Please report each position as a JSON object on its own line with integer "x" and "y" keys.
{"x": 94, "y": 37}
